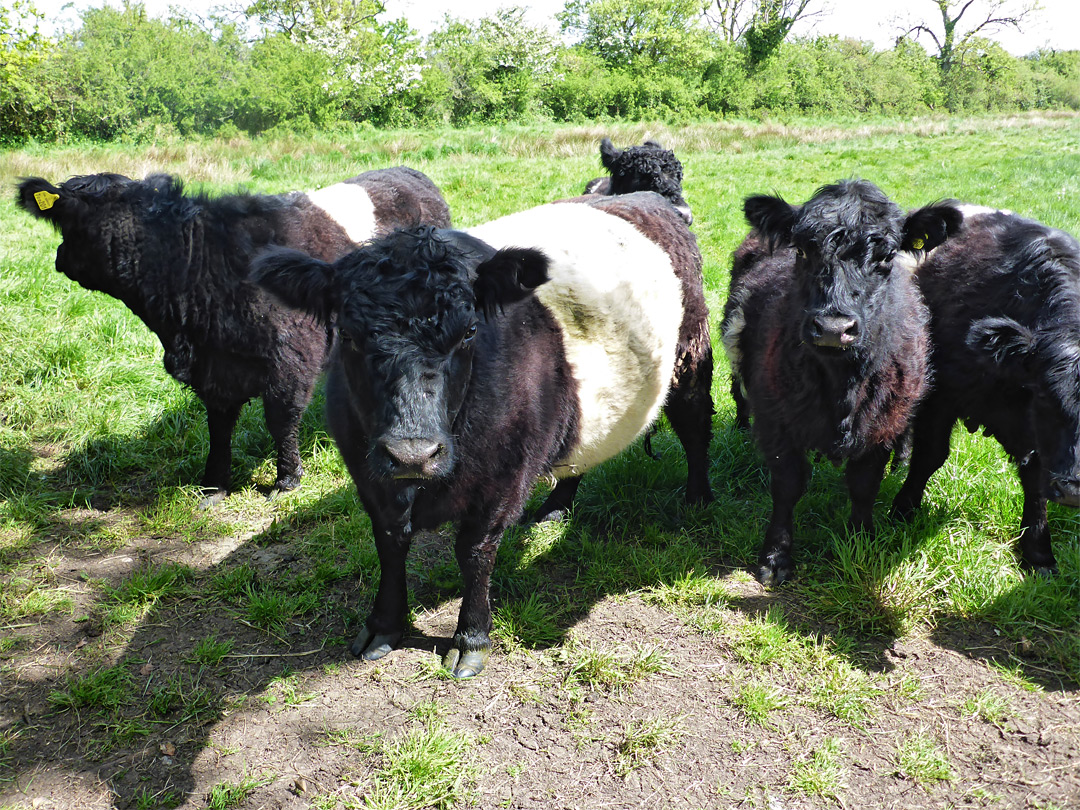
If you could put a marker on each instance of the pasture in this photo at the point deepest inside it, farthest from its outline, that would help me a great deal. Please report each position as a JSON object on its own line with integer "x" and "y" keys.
{"x": 153, "y": 655}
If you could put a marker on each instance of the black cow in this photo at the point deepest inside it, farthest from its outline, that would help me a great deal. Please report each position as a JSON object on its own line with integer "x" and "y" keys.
{"x": 473, "y": 363}
{"x": 649, "y": 167}
{"x": 180, "y": 261}
{"x": 1004, "y": 298}
{"x": 828, "y": 339}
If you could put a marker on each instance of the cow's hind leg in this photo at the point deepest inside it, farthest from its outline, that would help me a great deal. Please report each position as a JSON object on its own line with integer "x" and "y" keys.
{"x": 689, "y": 409}
{"x": 788, "y": 472}
{"x": 217, "y": 478}
{"x": 1035, "y": 550}
{"x": 283, "y": 422}
{"x": 556, "y": 505}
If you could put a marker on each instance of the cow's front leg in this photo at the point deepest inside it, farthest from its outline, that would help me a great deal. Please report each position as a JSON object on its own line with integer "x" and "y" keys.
{"x": 385, "y": 625}
{"x": 788, "y": 472}
{"x": 471, "y": 647}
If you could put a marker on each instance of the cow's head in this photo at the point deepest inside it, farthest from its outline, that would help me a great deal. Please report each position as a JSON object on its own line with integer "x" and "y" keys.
{"x": 1042, "y": 355}
{"x": 649, "y": 167}
{"x": 101, "y": 219}
{"x": 410, "y": 309}
{"x": 846, "y": 240}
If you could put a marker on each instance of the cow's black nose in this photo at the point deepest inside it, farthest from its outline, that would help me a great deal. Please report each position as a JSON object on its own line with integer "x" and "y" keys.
{"x": 835, "y": 331}
{"x": 412, "y": 453}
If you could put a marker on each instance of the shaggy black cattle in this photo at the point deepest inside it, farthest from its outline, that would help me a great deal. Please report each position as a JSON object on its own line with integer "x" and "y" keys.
{"x": 1004, "y": 298}
{"x": 180, "y": 263}
{"x": 649, "y": 167}
{"x": 828, "y": 339}
{"x": 473, "y": 363}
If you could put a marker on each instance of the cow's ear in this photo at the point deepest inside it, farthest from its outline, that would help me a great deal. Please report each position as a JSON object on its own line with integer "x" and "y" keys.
{"x": 46, "y": 201}
{"x": 297, "y": 280}
{"x": 508, "y": 276}
{"x": 608, "y": 153}
{"x": 771, "y": 217}
{"x": 1002, "y": 342}
{"x": 928, "y": 227}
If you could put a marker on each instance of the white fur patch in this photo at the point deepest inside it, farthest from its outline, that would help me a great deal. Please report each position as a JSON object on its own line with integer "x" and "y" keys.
{"x": 733, "y": 327}
{"x": 969, "y": 210}
{"x": 616, "y": 297}
{"x": 350, "y": 207}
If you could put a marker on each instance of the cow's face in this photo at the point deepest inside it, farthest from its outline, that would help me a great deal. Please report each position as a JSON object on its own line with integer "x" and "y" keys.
{"x": 101, "y": 221}
{"x": 846, "y": 239}
{"x": 411, "y": 309}
{"x": 649, "y": 167}
{"x": 1046, "y": 362}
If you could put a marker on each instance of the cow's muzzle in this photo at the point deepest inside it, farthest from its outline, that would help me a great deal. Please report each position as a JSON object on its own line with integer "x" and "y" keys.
{"x": 414, "y": 458}
{"x": 832, "y": 331}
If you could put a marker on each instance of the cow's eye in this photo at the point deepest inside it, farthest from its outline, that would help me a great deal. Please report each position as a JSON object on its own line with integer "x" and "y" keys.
{"x": 470, "y": 333}
{"x": 800, "y": 253}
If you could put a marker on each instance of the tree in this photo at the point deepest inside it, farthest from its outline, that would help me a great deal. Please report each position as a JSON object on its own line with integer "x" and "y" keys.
{"x": 983, "y": 17}
{"x": 495, "y": 67}
{"x": 22, "y": 48}
{"x": 639, "y": 35}
{"x": 761, "y": 25}
{"x": 369, "y": 59}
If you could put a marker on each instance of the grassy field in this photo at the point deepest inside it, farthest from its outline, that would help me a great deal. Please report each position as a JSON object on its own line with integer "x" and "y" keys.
{"x": 155, "y": 655}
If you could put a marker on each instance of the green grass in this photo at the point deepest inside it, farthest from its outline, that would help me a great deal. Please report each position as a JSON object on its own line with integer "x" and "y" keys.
{"x": 820, "y": 773}
{"x": 425, "y": 767}
{"x": 227, "y": 795}
{"x": 643, "y": 740}
{"x": 921, "y": 759}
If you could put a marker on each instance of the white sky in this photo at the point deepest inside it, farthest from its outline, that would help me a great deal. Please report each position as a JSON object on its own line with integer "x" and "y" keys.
{"x": 1057, "y": 25}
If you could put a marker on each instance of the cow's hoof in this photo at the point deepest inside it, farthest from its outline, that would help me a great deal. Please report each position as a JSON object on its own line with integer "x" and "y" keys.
{"x": 212, "y": 496}
{"x": 559, "y": 515}
{"x": 287, "y": 483}
{"x": 1041, "y": 570}
{"x": 373, "y": 646}
{"x": 775, "y": 570}
{"x": 467, "y": 664}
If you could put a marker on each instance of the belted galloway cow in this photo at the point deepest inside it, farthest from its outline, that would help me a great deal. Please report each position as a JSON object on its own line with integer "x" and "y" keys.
{"x": 180, "y": 262}
{"x": 649, "y": 167}
{"x": 1004, "y": 298}
{"x": 828, "y": 341}
{"x": 473, "y": 363}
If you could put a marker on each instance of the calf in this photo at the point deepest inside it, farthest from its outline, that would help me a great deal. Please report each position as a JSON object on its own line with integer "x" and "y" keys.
{"x": 1004, "y": 298}
{"x": 828, "y": 341}
{"x": 472, "y": 363}
{"x": 180, "y": 261}
{"x": 649, "y": 167}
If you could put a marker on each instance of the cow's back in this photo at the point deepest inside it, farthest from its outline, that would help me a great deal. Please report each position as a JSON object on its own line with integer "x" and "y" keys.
{"x": 618, "y": 302}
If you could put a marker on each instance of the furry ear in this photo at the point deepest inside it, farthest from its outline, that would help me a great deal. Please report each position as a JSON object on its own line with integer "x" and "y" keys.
{"x": 509, "y": 276}
{"x": 297, "y": 280}
{"x": 928, "y": 227}
{"x": 44, "y": 200}
{"x": 608, "y": 153}
{"x": 771, "y": 217}
{"x": 1003, "y": 342}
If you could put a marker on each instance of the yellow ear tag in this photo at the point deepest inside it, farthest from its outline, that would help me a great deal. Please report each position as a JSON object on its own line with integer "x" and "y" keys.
{"x": 45, "y": 199}
{"x": 918, "y": 243}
